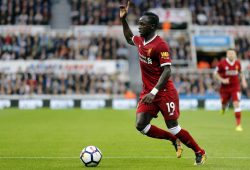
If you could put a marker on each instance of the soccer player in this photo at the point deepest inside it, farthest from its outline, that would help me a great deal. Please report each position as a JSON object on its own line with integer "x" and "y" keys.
{"x": 159, "y": 93}
{"x": 227, "y": 72}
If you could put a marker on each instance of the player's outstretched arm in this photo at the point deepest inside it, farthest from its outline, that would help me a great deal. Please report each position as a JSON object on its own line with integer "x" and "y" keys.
{"x": 126, "y": 30}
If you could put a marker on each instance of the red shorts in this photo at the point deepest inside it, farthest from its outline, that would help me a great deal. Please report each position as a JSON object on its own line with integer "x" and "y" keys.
{"x": 227, "y": 95}
{"x": 168, "y": 106}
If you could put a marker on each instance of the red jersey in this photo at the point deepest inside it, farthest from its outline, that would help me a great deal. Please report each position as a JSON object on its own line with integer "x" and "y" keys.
{"x": 153, "y": 55}
{"x": 231, "y": 70}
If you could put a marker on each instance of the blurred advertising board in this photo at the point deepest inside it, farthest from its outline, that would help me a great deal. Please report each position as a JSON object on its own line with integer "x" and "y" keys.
{"x": 188, "y": 104}
{"x": 212, "y": 104}
{"x": 5, "y": 103}
{"x": 64, "y": 66}
{"x": 30, "y": 103}
{"x": 61, "y": 103}
{"x": 25, "y": 29}
{"x": 93, "y": 104}
{"x": 221, "y": 30}
{"x": 213, "y": 43}
{"x": 172, "y": 15}
{"x": 215, "y": 104}
{"x": 124, "y": 103}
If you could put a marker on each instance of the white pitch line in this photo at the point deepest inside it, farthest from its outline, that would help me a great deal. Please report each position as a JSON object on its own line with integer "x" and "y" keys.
{"x": 118, "y": 157}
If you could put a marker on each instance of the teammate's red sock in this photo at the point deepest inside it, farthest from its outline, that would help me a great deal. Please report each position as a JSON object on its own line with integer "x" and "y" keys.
{"x": 156, "y": 132}
{"x": 188, "y": 140}
{"x": 237, "y": 117}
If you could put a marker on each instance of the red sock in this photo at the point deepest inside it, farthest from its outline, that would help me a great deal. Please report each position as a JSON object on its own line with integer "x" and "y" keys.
{"x": 158, "y": 133}
{"x": 237, "y": 117}
{"x": 188, "y": 140}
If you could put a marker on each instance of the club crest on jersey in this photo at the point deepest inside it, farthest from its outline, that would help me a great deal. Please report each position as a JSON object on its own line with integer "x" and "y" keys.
{"x": 149, "y": 51}
{"x": 164, "y": 55}
{"x": 226, "y": 68}
{"x": 237, "y": 67}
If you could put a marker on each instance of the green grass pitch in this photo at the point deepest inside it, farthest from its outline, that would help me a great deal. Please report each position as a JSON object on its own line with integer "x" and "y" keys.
{"x": 47, "y": 139}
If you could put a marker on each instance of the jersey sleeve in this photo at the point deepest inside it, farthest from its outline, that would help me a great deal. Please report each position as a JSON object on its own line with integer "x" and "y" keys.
{"x": 163, "y": 53}
{"x": 219, "y": 67}
{"x": 136, "y": 40}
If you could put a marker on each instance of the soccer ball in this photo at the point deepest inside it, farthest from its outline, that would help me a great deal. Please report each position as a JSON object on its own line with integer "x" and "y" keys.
{"x": 91, "y": 156}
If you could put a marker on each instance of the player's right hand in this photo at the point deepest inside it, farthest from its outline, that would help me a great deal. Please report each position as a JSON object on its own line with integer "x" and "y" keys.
{"x": 124, "y": 10}
{"x": 225, "y": 81}
{"x": 148, "y": 98}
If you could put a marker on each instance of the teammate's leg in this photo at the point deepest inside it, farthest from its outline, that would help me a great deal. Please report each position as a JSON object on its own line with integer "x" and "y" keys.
{"x": 225, "y": 97}
{"x": 237, "y": 110}
{"x": 223, "y": 108}
{"x": 187, "y": 139}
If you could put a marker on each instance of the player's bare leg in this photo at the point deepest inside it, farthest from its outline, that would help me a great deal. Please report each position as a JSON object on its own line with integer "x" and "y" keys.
{"x": 223, "y": 109}
{"x": 237, "y": 113}
{"x": 224, "y": 105}
{"x": 143, "y": 125}
{"x": 188, "y": 140}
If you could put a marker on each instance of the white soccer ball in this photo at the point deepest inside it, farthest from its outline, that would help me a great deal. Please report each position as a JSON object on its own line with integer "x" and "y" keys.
{"x": 91, "y": 156}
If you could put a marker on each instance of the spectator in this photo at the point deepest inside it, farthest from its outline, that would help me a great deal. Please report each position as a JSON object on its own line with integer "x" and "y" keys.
{"x": 32, "y": 12}
{"x": 46, "y": 46}
{"x": 204, "y": 12}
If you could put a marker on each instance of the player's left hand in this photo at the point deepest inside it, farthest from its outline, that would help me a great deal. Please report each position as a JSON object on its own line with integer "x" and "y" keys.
{"x": 148, "y": 98}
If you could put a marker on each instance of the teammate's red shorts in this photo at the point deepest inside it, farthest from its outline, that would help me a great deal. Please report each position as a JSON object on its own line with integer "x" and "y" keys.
{"x": 168, "y": 106}
{"x": 226, "y": 95}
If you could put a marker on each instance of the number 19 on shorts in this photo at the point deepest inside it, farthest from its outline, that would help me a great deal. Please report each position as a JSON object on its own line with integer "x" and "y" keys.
{"x": 171, "y": 108}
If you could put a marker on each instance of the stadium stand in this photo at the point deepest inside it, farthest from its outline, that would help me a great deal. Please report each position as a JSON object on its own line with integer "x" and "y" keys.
{"x": 26, "y": 83}
{"x": 32, "y": 12}
{"x": 85, "y": 40}
{"x": 48, "y": 46}
{"x": 204, "y": 12}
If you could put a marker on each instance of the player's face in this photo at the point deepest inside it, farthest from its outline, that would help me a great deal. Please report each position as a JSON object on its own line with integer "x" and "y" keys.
{"x": 145, "y": 27}
{"x": 231, "y": 55}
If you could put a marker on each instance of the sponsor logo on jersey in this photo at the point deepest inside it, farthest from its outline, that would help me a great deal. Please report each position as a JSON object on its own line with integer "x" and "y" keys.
{"x": 144, "y": 59}
{"x": 164, "y": 55}
{"x": 232, "y": 72}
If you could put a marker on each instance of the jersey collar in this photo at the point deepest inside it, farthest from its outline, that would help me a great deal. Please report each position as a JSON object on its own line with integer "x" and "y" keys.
{"x": 145, "y": 43}
{"x": 230, "y": 62}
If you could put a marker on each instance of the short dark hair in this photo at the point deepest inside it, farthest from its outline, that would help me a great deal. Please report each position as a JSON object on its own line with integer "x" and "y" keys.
{"x": 154, "y": 19}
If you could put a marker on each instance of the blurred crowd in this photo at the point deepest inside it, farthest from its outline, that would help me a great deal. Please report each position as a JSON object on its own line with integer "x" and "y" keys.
{"x": 192, "y": 84}
{"x": 180, "y": 46}
{"x": 94, "y": 47}
{"x": 106, "y": 12}
{"x": 22, "y": 12}
{"x": 204, "y": 12}
{"x": 47, "y": 46}
{"x": 199, "y": 84}
{"x": 51, "y": 83}
{"x": 242, "y": 46}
